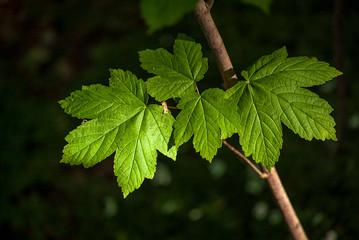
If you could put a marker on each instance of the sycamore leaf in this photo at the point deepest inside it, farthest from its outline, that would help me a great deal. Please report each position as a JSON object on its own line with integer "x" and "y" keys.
{"x": 209, "y": 118}
{"x": 177, "y": 74}
{"x": 160, "y": 13}
{"x": 273, "y": 93}
{"x": 122, "y": 122}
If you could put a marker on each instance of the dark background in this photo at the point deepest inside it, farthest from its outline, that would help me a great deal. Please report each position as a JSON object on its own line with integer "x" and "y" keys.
{"x": 50, "y": 48}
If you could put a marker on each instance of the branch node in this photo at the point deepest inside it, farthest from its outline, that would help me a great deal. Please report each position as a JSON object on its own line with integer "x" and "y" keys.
{"x": 264, "y": 175}
{"x": 165, "y": 108}
{"x": 260, "y": 174}
{"x": 209, "y": 4}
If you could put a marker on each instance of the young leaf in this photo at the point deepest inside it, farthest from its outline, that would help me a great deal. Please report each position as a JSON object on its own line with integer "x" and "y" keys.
{"x": 122, "y": 122}
{"x": 273, "y": 93}
{"x": 177, "y": 74}
{"x": 209, "y": 117}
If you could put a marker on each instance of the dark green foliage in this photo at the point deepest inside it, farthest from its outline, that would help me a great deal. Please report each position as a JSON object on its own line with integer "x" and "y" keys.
{"x": 160, "y": 13}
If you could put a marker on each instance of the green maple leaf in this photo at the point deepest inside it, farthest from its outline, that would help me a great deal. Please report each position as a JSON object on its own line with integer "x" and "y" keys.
{"x": 209, "y": 117}
{"x": 177, "y": 74}
{"x": 273, "y": 93}
{"x": 122, "y": 121}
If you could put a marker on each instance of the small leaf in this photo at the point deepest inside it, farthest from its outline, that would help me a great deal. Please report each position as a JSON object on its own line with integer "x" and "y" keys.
{"x": 123, "y": 122}
{"x": 209, "y": 118}
{"x": 273, "y": 93}
{"x": 176, "y": 74}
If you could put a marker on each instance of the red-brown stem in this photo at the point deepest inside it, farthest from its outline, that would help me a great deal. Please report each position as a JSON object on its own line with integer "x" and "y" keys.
{"x": 260, "y": 174}
{"x": 284, "y": 204}
{"x": 215, "y": 42}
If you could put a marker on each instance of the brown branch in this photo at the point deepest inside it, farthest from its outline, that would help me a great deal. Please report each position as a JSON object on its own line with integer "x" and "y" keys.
{"x": 215, "y": 42}
{"x": 261, "y": 174}
{"x": 284, "y": 204}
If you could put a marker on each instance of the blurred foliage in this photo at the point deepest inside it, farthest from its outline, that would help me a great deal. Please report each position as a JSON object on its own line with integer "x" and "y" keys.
{"x": 264, "y": 5}
{"x": 160, "y": 13}
{"x": 50, "y": 48}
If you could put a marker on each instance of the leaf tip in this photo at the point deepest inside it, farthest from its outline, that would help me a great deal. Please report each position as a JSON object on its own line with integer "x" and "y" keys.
{"x": 208, "y": 156}
{"x": 64, "y": 158}
{"x": 85, "y": 88}
{"x": 209, "y": 159}
{"x": 329, "y": 135}
{"x": 338, "y": 72}
{"x": 63, "y": 103}
{"x": 112, "y": 71}
{"x": 125, "y": 193}
{"x": 281, "y": 52}
{"x": 182, "y": 36}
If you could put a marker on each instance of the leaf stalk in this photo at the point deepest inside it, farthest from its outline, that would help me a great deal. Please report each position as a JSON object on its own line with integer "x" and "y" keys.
{"x": 260, "y": 174}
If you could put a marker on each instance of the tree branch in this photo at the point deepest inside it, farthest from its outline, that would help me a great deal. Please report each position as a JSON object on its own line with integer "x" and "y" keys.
{"x": 261, "y": 174}
{"x": 215, "y": 42}
{"x": 284, "y": 204}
